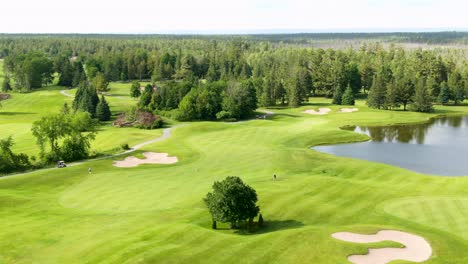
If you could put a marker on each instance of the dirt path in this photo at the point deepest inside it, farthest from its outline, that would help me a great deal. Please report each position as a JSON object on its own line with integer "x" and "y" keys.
{"x": 64, "y": 92}
{"x": 166, "y": 134}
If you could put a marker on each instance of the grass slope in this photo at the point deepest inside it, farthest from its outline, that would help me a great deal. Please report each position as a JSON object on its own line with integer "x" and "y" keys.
{"x": 155, "y": 214}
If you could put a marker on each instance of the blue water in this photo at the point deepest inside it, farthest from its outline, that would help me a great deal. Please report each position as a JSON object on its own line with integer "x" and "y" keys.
{"x": 438, "y": 147}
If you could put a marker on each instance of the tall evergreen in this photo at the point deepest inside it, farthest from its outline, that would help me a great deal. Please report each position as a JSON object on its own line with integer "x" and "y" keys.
{"x": 422, "y": 100}
{"x": 103, "y": 112}
{"x": 86, "y": 99}
{"x": 66, "y": 74}
{"x": 455, "y": 85}
{"x": 391, "y": 96}
{"x": 337, "y": 95}
{"x": 348, "y": 96}
{"x": 376, "y": 98}
{"x": 444, "y": 95}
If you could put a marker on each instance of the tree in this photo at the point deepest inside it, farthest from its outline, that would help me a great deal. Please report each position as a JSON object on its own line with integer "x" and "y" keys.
{"x": 53, "y": 129}
{"x": 240, "y": 100}
{"x": 422, "y": 101}
{"x": 348, "y": 96}
{"x": 86, "y": 99}
{"x": 391, "y": 96}
{"x": 10, "y": 161}
{"x": 376, "y": 98}
{"x": 232, "y": 201}
{"x": 444, "y": 95}
{"x": 6, "y": 87}
{"x": 103, "y": 112}
{"x": 337, "y": 95}
{"x": 135, "y": 90}
{"x": 66, "y": 73}
{"x": 404, "y": 91}
{"x": 100, "y": 83}
{"x": 31, "y": 70}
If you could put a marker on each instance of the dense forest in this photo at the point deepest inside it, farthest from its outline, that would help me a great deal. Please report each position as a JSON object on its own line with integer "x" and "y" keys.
{"x": 228, "y": 77}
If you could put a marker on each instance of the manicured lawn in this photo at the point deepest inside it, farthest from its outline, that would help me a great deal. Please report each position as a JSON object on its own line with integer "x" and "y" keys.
{"x": 155, "y": 213}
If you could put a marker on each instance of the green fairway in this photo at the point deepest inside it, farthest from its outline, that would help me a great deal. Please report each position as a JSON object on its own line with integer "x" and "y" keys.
{"x": 155, "y": 213}
{"x": 22, "y": 109}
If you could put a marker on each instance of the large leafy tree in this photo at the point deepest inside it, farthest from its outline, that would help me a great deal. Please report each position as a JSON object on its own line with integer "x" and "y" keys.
{"x": 232, "y": 201}
{"x": 30, "y": 70}
{"x": 100, "y": 82}
{"x": 10, "y": 161}
{"x": 61, "y": 136}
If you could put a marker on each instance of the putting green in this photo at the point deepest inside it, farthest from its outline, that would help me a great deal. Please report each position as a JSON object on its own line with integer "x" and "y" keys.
{"x": 445, "y": 213}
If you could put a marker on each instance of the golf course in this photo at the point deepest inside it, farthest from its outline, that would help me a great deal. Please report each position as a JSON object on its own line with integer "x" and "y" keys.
{"x": 154, "y": 213}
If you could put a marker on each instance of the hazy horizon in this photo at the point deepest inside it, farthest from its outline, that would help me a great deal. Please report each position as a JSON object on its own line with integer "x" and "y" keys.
{"x": 232, "y": 17}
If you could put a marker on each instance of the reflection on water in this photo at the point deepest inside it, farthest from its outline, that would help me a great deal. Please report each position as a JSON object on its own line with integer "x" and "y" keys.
{"x": 435, "y": 147}
{"x": 414, "y": 134}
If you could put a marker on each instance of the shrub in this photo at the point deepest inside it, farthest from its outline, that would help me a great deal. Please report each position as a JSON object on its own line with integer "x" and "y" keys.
{"x": 125, "y": 146}
{"x": 260, "y": 220}
{"x": 223, "y": 115}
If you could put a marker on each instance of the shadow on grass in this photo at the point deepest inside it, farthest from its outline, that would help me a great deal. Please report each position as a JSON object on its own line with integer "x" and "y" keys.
{"x": 316, "y": 104}
{"x": 272, "y": 226}
{"x": 279, "y": 115}
{"x": 16, "y": 113}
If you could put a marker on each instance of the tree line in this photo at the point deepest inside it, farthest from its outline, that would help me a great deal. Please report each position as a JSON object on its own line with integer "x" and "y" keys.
{"x": 280, "y": 74}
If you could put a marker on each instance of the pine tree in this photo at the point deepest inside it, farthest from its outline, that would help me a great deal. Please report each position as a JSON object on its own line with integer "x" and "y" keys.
{"x": 444, "y": 95}
{"x": 86, "y": 99}
{"x": 337, "y": 95}
{"x": 260, "y": 220}
{"x": 78, "y": 74}
{"x": 422, "y": 100}
{"x": 455, "y": 86}
{"x": 376, "y": 98}
{"x": 135, "y": 90}
{"x": 348, "y": 96}
{"x": 66, "y": 76}
{"x": 103, "y": 112}
{"x": 391, "y": 96}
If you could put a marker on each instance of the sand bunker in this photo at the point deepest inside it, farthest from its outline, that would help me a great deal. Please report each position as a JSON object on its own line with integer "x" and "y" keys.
{"x": 150, "y": 158}
{"x": 348, "y": 110}
{"x": 416, "y": 249}
{"x": 321, "y": 111}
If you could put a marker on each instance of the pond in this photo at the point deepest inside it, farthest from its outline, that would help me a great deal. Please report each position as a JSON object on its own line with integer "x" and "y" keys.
{"x": 438, "y": 147}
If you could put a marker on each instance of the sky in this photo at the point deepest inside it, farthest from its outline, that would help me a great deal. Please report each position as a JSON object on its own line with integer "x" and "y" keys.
{"x": 235, "y": 16}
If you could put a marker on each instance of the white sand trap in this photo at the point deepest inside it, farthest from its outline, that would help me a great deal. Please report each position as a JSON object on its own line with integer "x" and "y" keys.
{"x": 416, "y": 249}
{"x": 348, "y": 110}
{"x": 321, "y": 111}
{"x": 150, "y": 158}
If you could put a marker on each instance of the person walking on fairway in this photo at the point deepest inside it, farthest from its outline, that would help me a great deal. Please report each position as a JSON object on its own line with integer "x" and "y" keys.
{"x": 89, "y": 170}
{"x": 274, "y": 177}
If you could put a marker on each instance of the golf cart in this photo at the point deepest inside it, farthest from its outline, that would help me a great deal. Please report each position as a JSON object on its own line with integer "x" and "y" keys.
{"x": 61, "y": 164}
